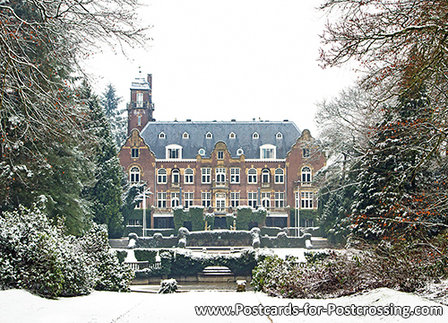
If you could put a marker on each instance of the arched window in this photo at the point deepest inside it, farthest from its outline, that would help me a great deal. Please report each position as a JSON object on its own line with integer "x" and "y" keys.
{"x": 255, "y": 135}
{"x": 134, "y": 175}
{"x": 279, "y": 176}
{"x": 265, "y": 176}
{"x": 175, "y": 177}
{"x": 306, "y": 175}
{"x": 252, "y": 176}
{"x": 188, "y": 176}
{"x": 161, "y": 176}
{"x": 279, "y": 135}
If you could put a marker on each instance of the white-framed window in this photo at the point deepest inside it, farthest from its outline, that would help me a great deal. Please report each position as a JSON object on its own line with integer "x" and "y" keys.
{"x": 208, "y": 135}
{"x": 188, "y": 176}
{"x": 201, "y": 152}
{"x": 252, "y": 199}
{"x": 234, "y": 175}
{"x": 135, "y": 152}
{"x": 173, "y": 152}
{"x": 239, "y": 152}
{"x": 255, "y": 135}
{"x": 161, "y": 176}
{"x": 206, "y": 198}
{"x": 188, "y": 199}
{"x": 139, "y": 99}
{"x": 279, "y": 177}
{"x": 175, "y": 176}
{"x": 162, "y": 135}
{"x": 305, "y": 152}
{"x": 266, "y": 200}
{"x": 279, "y": 135}
{"x": 234, "y": 199}
{"x": 220, "y": 154}
{"x": 306, "y": 175}
{"x": 134, "y": 175}
{"x": 232, "y": 135}
{"x": 252, "y": 176}
{"x": 279, "y": 199}
{"x": 206, "y": 175}
{"x": 267, "y": 151}
{"x": 220, "y": 202}
{"x": 175, "y": 199}
{"x": 220, "y": 175}
{"x": 185, "y": 135}
{"x": 139, "y": 120}
{"x": 161, "y": 200}
{"x": 265, "y": 176}
{"x": 306, "y": 200}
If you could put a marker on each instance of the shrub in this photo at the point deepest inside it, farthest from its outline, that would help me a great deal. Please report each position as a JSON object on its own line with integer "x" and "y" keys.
{"x": 39, "y": 257}
{"x": 168, "y": 286}
{"x": 401, "y": 267}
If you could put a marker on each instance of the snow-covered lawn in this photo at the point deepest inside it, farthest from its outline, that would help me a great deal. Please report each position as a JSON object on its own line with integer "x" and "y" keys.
{"x": 21, "y": 306}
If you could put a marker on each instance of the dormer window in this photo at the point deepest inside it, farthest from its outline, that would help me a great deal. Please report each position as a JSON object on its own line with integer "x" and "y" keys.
{"x": 255, "y": 135}
{"x": 279, "y": 135}
{"x": 239, "y": 152}
{"x": 232, "y": 135}
{"x": 173, "y": 152}
{"x": 201, "y": 152}
{"x": 267, "y": 152}
{"x": 208, "y": 135}
{"x": 185, "y": 135}
{"x": 162, "y": 135}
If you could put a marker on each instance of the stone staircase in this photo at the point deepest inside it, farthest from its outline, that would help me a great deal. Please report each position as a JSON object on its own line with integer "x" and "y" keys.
{"x": 217, "y": 249}
{"x": 216, "y": 274}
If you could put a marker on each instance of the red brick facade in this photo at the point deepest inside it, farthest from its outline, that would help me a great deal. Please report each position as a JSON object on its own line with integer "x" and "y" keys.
{"x": 220, "y": 181}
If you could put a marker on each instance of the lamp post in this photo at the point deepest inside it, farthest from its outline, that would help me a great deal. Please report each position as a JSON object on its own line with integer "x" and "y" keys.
{"x": 143, "y": 195}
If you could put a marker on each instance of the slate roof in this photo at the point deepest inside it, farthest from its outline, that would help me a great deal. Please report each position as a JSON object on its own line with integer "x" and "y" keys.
{"x": 140, "y": 83}
{"x": 220, "y": 131}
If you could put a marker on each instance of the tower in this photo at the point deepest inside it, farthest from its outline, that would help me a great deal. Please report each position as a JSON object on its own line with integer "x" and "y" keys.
{"x": 140, "y": 107}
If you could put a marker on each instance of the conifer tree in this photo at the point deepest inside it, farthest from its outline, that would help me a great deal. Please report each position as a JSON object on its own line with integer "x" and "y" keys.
{"x": 105, "y": 194}
{"x": 114, "y": 114}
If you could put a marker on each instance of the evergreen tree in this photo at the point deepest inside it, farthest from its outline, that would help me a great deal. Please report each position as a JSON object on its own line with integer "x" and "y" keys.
{"x": 396, "y": 173}
{"x": 114, "y": 114}
{"x": 106, "y": 192}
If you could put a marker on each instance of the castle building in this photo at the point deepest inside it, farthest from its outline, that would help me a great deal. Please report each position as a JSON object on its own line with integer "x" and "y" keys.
{"x": 219, "y": 165}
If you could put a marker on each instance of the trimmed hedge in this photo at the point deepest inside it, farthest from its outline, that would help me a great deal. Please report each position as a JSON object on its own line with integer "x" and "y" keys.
{"x": 184, "y": 263}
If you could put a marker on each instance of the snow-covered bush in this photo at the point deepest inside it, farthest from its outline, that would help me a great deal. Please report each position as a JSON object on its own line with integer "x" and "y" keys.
{"x": 38, "y": 256}
{"x": 168, "y": 286}
{"x": 110, "y": 274}
{"x": 325, "y": 275}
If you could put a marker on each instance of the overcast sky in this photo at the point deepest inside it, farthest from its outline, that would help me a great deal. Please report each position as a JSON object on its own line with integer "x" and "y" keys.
{"x": 229, "y": 59}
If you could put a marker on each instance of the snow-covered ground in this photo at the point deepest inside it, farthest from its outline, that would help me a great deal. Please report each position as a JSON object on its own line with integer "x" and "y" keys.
{"x": 21, "y": 306}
